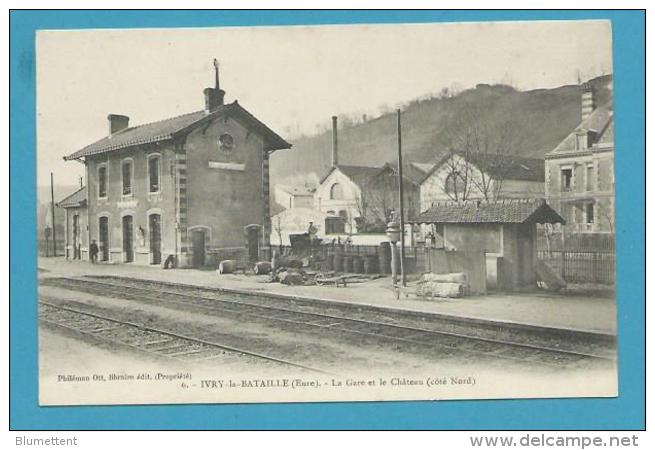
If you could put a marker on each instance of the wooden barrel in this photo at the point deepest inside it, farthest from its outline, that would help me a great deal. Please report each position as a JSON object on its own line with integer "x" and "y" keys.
{"x": 227, "y": 266}
{"x": 329, "y": 261}
{"x": 371, "y": 264}
{"x": 338, "y": 262}
{"x": 262, "y": 268}
{"x": 384, "y": 258}
{"x": 358, "y": 264}
{"x": 348, "y": 263}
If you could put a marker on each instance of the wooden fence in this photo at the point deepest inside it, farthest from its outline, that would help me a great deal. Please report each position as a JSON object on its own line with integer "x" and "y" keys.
{"x": 43, "y": 251}
{"x": 581, "y": 257}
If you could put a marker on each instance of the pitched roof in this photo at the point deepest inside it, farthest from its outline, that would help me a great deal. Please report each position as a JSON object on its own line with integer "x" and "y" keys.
{"x": 600, "y": 121}
{"x": 501, "y": 166}
{"x": 502, "y": 211}
{"x": 358, "y": 174}
{"x": 75, "y": 200}
{"x": 412, "y": 172}
{"x": 424, "y": 167}
{"x": 167, "y": 129}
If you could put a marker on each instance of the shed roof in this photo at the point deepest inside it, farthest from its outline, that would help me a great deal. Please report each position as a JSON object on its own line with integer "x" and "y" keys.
{"x": 75, "y": 200}
{"x": 502, "y": 211}
{"x": 167, "y": 129}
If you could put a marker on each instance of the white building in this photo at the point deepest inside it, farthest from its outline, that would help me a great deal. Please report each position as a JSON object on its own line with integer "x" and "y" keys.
{"x": 486, "y": 176}
{"x": 290, "y": 197}
{"x": 339, "y": 196}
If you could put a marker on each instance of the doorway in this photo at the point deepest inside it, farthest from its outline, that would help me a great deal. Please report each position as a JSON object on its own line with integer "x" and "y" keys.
{"x": 103, "y": 238}
{"x": 198, "y": 240}
{"x": 76, "y": 237}
{"x": 128, "y": 239}
{"x": 252, "y": 237}
{"x": 154, "y": 225}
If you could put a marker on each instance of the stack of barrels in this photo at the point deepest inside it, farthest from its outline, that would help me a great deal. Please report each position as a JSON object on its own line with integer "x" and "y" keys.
{"x": 384, "y": 258}
{"x": 340, "y": 261}
{"x": 337, "y": 260}
{"x": 358, "y": 264}
{"x": 370, "y": 264}
{"x": 348, "y": 263}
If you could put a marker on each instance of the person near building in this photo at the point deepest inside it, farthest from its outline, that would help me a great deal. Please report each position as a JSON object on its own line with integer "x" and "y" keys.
{"x": 311, "y": 231}
{"x": 93, "y": 252}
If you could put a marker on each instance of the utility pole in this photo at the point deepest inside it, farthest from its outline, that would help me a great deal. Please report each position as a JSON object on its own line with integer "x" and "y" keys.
{"x": 401, "y": 203}
{"x": 52, "y": 209}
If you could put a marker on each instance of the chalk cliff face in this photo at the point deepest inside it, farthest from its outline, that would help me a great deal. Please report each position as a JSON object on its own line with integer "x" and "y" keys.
{"x": 539, "y": 119}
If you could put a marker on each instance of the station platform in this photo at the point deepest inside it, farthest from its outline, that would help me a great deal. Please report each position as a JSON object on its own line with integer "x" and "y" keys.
{"x": 578, "y": 311}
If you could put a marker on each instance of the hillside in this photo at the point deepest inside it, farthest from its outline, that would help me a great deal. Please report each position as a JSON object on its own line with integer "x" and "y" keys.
{"x": 540, "y": 120}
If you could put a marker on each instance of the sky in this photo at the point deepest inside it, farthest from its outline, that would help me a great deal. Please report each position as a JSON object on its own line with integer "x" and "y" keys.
{"x": 292, "y": 78}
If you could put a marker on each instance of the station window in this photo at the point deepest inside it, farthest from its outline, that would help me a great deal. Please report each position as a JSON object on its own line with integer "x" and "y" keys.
{"x": 102, "y": 181}
{"x": 126, "y": 171}
{"x": 154, "y": 173}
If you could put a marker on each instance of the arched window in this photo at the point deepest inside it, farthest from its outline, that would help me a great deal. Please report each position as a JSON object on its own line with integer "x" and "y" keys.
{"x": 336, "y": 192}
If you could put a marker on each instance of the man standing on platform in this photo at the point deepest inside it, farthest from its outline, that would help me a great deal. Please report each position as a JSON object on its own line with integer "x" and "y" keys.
{"x": 93, "y": 252}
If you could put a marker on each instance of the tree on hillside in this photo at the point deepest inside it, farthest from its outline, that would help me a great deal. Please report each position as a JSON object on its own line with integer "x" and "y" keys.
{"x": 479, "y": 133}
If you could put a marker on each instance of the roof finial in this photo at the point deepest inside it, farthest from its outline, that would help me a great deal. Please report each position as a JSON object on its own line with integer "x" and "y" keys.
{"x": 218, "y": 85}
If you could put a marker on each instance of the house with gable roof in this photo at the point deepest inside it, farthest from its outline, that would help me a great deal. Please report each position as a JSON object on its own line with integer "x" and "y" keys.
{"x": 192, "y": 188}
{"x": 462, "y": 176}
{"x": 580, "y": 170}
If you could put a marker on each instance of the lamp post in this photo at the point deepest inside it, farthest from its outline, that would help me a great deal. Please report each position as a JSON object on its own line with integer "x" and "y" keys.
{"x": 393, "y": 233}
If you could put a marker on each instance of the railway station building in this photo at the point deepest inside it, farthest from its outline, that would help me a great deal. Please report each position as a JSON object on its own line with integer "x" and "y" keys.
{"x": 192, "y": 189}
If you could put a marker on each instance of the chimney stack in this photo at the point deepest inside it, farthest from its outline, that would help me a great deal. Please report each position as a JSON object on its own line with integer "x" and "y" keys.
{"x": 117, "y": 123}
{"x": 335, "y": 146}
{"x": 214, "y": 97}
{"x": 588, "y": 100}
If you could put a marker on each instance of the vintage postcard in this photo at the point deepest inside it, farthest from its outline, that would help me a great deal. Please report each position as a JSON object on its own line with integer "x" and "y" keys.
{"x": 326, "y": 213}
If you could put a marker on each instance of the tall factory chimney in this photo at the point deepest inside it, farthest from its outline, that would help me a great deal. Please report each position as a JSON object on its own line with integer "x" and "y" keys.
{"x": 335, "y": 142}
{"x": 588, "y": 100}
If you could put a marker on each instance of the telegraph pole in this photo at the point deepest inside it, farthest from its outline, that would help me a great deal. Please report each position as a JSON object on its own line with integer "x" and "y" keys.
{"x": 401, "y": 202}
{"x": 52, "y": 209}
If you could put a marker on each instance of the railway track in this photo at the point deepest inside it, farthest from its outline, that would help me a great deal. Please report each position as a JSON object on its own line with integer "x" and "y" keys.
{"x": 441, "y": 343}
{"x": 152, "y": 341}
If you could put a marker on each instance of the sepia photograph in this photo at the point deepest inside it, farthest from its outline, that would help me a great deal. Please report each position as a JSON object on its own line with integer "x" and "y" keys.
{"x": 318, "y": 213}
